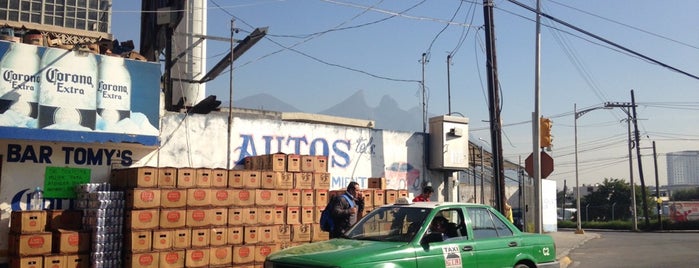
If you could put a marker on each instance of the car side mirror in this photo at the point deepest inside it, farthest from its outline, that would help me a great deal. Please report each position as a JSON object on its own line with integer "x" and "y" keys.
{"x": 431, "y": 238}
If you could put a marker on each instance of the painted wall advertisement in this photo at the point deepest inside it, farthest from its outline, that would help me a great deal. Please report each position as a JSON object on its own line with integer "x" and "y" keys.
{"x": 201, "y": 141}
{"x": 54, "y": 92}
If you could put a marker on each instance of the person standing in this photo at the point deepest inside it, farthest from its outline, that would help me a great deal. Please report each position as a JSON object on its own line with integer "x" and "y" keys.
{"x": 346, "y": 209}
{"x": 425, "y": 196}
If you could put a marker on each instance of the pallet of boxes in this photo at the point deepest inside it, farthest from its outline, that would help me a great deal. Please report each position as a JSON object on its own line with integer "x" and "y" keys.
{"x": 376, "y": 194}
{"x": 210, "y": 217}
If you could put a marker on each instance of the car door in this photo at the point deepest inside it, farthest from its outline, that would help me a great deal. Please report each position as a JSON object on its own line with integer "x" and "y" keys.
{"x": 455, "y": 251}
{"x": 495, "y": 244}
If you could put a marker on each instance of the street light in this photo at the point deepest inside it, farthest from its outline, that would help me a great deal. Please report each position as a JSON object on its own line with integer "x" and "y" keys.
{"x": 578, "y": 114}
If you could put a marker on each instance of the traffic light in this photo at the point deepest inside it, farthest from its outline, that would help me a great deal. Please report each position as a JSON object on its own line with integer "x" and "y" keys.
{"x": 545, "y": 137}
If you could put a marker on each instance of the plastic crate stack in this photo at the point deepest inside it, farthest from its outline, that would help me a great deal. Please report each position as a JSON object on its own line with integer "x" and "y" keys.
{"x": 103, "y": 216}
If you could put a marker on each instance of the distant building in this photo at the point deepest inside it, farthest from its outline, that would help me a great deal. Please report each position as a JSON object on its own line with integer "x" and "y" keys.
{"x": 682, "y": 169}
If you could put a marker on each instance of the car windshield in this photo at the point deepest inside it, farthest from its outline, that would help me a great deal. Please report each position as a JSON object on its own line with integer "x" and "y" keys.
{"x": 390, "y": 224}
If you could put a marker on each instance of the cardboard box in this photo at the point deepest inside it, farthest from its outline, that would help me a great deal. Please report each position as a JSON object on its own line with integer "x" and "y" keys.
{"x": 197, "y": 197}
{"x": 368, "y": 197}
{"x": 308, "y": 197}
{"x": 307, "y": 214}
{"x": 235, "y": 178}
{"x": 55, "y": 261}
{"x": 162, "y": 239}
{"x": 266, "y": 234}
{"x": 300, "y": 232}
{"x": 218, "y": 216}
{"x": 140, "y": 219}
{"x": 235, "y": 216}
{"x": 379, "y": 197}
{"x": 186, "y": 177}
{"x": 249, "y": 216}
{"x": 248, "y": 162}
{"x": 201, "y": 237}
{"x": 283, "y": 233}
{"x": 293, "y": 163}
{"x": 303, "y": 180}
{"x": 321, "y": 164}
{"x": 321, "y": 180}
{"x": 265, "y": 197}
{"x": 221, "y": 255}
{"x": 171, "y": 258}
{"x": 318, "y": 212}
{"x": 139, "y": 177}
{"x": 27, "y": 262}
{"x": 308, "y": 163}
{"x": 234, "y": 235}
{"x": 293, "y": 197}
{"x": 219, "y": 178}
{"x": 29, "y": 244}
{"x": 138, "y": 241}
{"x": 317, "y": 234}
{"x": 281, "y": 198}
{"x": 222, "y": 197}
{"x": 265, "y": 215}
{"x": 142, "y": 260}
{"x": 321, "y": 197}
{"x": 391, "y": 196}
{"x": 203, "y": 178}
{"x": 279, "y": 215}
{"x": 377, "y": 183}
{"x": 243, "y": 254}
{"x": 243, "y": 197}
{"x": 251, "y": 179}
{"x": 140, "y": 198}
{"x": 63, "y": 219}
{"x": 286, "y": 181}
{"x": 173, "y": 218}
{"x": 250, "y": 235}
{"x": 173, "y": 198}
{"x": 69, "y": 241}
{"x": 77, "y": 261}
{"x": 27, "y": 221}
{"x": 181, "y": 238}
{"x": 261, "y": 251}
{"x": 268, "y": 179}
{"x": 276, "y": 162}
{"x": 197, "y": 257}
{"x": 293, "y": 215}
{"x": 197, "y": 217}
{"x": 218, "y": 236}
{"x": 167, "y": 177}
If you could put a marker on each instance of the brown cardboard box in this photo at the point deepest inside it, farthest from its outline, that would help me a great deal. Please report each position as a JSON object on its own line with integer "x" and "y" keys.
{"x": 303, "y": 180}
{"x": 250, "y": 235}
{"x": 379, "y": 197}
{"x": 265, "y": 215}
{"x": 55, "y": 261}
{"x": 167, "y": 177}
{"x": 234, "y": 235}
{"x": 140, "y": 198}
{"x": 197, "y": 217}
{"x": 301, "y": 233}
{"x": 261, "y": 251}
{"x": 281, "y": 198}
{"x": 321, "y": 164}
{"x": 235, "y": 178}
{"x": 197, "y": 257}
{"x": 162, "y": 239}
{"x": 283, "y": 233}
{"x": 172, "y": 218}
{"x": 249, "y": 216}
{"x": 377, "y": 183}
{"x": 219, "y": 236}
{"x": 182, "y": 238}
{"x": 265, "y": 197}
{"x": 293, "y": 197}
{"x": 318, "y": 235}
{"x": 139, "y": 177}
{"x": 279, "y": 215}
{"x": 219, "y": 177}
{"x": 266, "y": 234}
{"x": 321, "y": 197}
{"x": 138, "y": 241}
{"x": 391, "y": 196}
{"x": 171, "y": 258}
{"x": 286, "y": 181}
{"x": 69, "y": 241}
{"x": 222, "y": 197}
{"x": 308, "y": 163}
{"x": 203, "y": 178}
{"x": 307, "y": 214}
{"x": 251, "y": 179}
{"x": 277, "y": 162}
{"x": 29, "y": 244}
{"x": 293, "y": 215}
{"x": 186, "y": 177}
{"x": 77, "y": 261}
{"x": 308, "y": 197}
{"x": 27, "y": 221}
{"x": 243, "y": 197}
{"x": 293, "y": 163}
{"x": 243, "y": 254}
{"x": 141, "y": 219}
{"x": 218, "y": 216}
{"x": 402, "y": 193}
{"x": 269, "y": 179}
{"x": 142, "y": 260}
{"x": 316, "y": 215}
{"x": 198, "y": 197}
{"x": 368, "y": 197}
{"x": 235, "y": 216}
{"x": 248, "y": 162}
{"x": 221, "y": 255}
{"x": 321, "y": 180}
{"x": 27, "y": 262}
{"x": 63, "y": 219}
{"x": 201, "y": 237}
{"x": 173, "y": 198}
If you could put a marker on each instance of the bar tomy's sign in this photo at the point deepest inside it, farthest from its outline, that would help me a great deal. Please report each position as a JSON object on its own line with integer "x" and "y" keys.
{"x": 60, "y": 182}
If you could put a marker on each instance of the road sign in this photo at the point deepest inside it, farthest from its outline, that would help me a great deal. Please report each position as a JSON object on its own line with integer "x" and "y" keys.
{"x": 546, "y": 165}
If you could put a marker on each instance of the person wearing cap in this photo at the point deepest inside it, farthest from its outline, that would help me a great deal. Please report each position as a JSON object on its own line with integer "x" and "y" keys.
{"x": 425, "y": 196}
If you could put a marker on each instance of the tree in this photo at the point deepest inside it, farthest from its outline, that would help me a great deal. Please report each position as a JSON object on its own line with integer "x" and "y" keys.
{"x": 611, "y": 199}
{"x": 686, "y": 195}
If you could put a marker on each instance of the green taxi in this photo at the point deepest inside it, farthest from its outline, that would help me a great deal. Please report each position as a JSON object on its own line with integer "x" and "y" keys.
{"x": 402, "y": 235}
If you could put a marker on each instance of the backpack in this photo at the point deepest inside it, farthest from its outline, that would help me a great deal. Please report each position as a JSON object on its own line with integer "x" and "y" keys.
{"x": 327, "y": 224}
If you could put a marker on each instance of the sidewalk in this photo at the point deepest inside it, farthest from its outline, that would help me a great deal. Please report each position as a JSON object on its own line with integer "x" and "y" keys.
{"x": 567, "y": 240}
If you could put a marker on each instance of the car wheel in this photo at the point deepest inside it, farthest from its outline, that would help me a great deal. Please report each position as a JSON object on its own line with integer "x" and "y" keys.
{"x": 521, "y": 265}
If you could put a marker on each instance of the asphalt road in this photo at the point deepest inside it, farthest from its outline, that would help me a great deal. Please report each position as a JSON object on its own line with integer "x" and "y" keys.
{"x": 636, "y": 249}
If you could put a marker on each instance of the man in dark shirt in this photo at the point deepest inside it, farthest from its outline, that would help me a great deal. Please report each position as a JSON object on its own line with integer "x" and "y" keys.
{"x": 346, "y": 209}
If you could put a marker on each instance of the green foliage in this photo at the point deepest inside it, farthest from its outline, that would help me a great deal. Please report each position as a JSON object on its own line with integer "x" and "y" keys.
{"x": 686, "y": 195}
{"x": 612, "y": 201}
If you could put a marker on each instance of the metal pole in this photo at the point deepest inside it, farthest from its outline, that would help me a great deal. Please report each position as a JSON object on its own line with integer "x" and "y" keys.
{"x": 578, "y": 229}
{"x": 424, "y": 104}
{"x": 536, "y": 126}
{"x": 657, "y": 189}
{"x": 633, "y": 185}
{"x": 640, "y": 162}
{"x": 230, "y": 100}
{"x": 482, "y": 177}
{"x": 449, "y": 83}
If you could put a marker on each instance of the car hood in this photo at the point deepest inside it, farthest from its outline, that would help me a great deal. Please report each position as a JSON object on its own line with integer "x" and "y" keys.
{"x": 339, "y": 251}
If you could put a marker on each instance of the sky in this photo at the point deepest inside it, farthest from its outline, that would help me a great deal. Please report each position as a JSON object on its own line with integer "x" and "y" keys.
{"x": 319, "y": 52}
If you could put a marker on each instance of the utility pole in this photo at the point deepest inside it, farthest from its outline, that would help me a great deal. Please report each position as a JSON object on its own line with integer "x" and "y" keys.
{"x": 494, "y": 100}
{"x": 640, "y": 162}
{"x": 449, "y": 83}
{"x": 536, "y": 127}
{"x": 424, "y": 104}
{"x": 658, "y": 201}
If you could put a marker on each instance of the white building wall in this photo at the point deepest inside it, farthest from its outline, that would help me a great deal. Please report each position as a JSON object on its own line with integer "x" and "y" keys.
{"x": 683, "y": 168}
